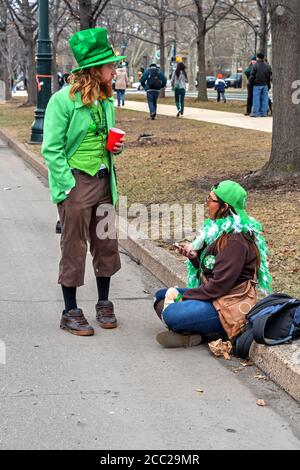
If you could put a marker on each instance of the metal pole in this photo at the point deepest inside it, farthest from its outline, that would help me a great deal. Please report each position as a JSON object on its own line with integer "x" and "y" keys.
{"x": 44, "y": 73}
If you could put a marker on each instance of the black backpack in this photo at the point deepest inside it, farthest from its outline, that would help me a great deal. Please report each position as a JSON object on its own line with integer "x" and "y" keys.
{"x": 153, "y": 80}
{"x": 273, "y": 320}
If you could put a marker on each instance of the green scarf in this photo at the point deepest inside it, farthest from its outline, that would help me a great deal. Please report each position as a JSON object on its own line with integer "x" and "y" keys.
{"x": 213, "y": 229}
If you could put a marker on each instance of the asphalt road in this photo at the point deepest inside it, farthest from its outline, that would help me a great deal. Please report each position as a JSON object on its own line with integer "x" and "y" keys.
{"x": 117, "y": 389}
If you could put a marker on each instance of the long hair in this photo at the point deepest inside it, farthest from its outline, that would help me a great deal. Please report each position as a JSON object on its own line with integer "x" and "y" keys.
{"x": 180, "y": 68}
{"x": 88, "y": 84}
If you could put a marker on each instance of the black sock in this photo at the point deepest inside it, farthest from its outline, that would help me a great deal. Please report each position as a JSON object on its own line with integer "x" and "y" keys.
{"x": 103, "y": 288}
{"x": 69, "y": 294}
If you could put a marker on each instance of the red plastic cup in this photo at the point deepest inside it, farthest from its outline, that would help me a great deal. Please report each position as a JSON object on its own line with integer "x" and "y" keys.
{"x": 114, "y": 136}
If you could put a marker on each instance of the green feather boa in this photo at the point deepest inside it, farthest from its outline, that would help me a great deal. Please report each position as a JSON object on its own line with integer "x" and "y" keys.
{"x": 213, "y": 229}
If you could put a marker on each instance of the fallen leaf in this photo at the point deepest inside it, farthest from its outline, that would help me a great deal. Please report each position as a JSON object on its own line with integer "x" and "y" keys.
{"x": 247, "y": 363}
{"x": 236, "y": 370}
{"x": 261, "y": 403}
{"x": 221, "y": 348}
{"x": 261, "y": 377}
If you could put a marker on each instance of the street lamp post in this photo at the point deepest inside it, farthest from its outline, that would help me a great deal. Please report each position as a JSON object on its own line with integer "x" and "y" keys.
{"x": 43, "y": 76}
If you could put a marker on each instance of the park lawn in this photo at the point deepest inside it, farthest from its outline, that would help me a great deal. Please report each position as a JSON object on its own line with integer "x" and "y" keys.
{"x": 185, "y": 151}
{"x": 231, "y": 106}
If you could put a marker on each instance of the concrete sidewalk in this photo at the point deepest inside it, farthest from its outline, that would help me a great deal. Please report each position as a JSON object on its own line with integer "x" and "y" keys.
{"x": 207, "y": 115}
{"x": 118, "y": 389}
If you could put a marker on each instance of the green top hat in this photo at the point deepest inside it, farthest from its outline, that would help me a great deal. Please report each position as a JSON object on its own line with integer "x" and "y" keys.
{"x": 235, "y": 195}
{"x": 91, "y": 48}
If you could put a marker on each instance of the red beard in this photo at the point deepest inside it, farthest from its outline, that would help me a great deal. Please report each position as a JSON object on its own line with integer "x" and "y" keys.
{"x": 106, "y": 89}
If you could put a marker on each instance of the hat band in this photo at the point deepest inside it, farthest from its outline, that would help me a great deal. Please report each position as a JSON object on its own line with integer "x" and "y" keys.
{"x": 97, "y": 58}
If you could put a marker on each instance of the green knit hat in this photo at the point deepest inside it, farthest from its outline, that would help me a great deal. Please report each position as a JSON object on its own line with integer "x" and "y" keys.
{"x": 233, "y": 194}
{"x": 91, "y": 48}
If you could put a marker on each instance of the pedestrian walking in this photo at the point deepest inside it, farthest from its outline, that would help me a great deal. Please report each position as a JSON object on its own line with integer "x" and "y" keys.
{"x": 153, "y": 81}
{"x": 260, "y": 78}
{"x": 249, "y": 86}
{"x": 121, "y": 83}
{"x": 220, "y": 87}
{"x": 224, "y": 264}
{"x": 178, "y": 82}
{"x": 82, "y": 175}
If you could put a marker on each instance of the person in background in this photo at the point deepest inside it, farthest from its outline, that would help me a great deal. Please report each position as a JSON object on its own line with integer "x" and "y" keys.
{"x": 139, "y": 75}
{"x": 178, "y": 82}
{"x": 121, "y": 83}
{"x": 220, "y": 87}
{"x": 153, "y": 81}
{"x": 260, "y": 78}
{"x": 249, "y": 86}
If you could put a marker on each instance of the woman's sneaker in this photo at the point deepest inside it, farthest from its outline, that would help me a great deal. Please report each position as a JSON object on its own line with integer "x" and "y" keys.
{"x": 170, "y": 339}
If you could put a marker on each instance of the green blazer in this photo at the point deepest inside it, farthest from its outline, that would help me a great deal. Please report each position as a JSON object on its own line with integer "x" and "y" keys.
{"x": 65, "y": 126}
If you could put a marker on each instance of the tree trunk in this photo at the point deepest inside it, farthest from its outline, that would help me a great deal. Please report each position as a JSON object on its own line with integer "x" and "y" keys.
{"x": 201, "y": 36}
{"x": 202, "y": 90}
{"x": 162, "y": 51}
{"x": 285, "y": 27}
{"x": 191, "y": 66}
{"x": 6, "y": 78}
{"x": 55, "y": 85}
{"x": 263, "y": 30}
{"x": 31, "y": 72}
{"x": 85, "y": 14}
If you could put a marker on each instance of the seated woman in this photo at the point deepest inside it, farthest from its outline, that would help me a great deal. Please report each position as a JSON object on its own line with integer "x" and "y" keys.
{"x": 226, "y": 259}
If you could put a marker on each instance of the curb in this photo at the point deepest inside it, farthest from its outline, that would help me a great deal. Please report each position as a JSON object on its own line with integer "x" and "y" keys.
{"x": 281, "y": 363}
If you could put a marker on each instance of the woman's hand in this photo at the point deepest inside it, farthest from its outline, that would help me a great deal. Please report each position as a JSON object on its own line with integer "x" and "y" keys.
{"x": 187, "y": 250}
{"x": 119, "y": 145}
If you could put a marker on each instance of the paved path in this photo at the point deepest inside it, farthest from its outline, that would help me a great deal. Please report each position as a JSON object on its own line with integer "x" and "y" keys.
{"x": 207, "y": 115}
{"x": 118, "y": 389}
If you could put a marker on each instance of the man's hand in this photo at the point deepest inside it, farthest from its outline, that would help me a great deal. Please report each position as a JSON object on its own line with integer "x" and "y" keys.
{"x": 119, "y": 145}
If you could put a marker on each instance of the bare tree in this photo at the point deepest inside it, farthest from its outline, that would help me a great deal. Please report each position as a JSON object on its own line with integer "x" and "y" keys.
{"x": 87, "y": 12}
{"x": 256, "y": 14}
{"x": 264, "y": 25}
{"x": 59, "y": 17}
{"x": 5, "y": 70}
{"x": 23, "y": 15}
{"x": 205, "y": 15}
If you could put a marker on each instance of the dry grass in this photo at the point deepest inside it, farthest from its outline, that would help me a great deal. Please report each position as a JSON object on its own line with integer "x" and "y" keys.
{"x": 187, "y": 150}
{"x": 231, "y": 106}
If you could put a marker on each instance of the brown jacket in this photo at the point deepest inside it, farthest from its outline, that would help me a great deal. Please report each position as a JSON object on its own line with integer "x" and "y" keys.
{"x": 234, "y": 265}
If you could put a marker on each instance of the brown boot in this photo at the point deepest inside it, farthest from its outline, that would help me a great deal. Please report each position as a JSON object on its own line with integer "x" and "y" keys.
{"x": 75, "y": 322}
{"x": 170, "y": 339}
{"x": 105, "y": 314}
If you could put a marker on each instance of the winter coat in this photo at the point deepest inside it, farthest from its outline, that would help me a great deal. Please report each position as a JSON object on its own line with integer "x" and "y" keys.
{"x": 121, "y": 79}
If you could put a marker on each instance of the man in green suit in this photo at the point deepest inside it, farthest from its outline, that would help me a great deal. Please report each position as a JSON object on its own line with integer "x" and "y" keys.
{"x": 82, "y": 175}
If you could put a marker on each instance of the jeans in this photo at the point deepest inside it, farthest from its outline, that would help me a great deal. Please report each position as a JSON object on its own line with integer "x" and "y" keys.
{"x": 196, "y": 316}
{"x": 120, "y": 96}
{"x": 260, "y": 101}
{"x": 179, "y": 95}
{"x": 249, "y": 98}
{"x": 152, "y": 97}
{"x": 221, "y": 94}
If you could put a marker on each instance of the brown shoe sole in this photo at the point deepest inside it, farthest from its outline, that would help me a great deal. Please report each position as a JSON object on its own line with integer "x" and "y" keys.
{"x": 77, "y": 332}
{"x": 108, "y": 326}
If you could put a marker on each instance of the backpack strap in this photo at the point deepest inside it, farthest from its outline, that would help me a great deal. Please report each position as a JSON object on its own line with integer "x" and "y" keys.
{"x": 242, "y": 343}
